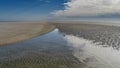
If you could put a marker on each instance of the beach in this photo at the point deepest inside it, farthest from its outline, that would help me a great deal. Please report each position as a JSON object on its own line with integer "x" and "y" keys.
{"x": 15, "y": 32}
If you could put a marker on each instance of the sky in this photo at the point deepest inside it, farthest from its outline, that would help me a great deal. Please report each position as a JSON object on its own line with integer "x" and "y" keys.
{"x": 59, "y": 9}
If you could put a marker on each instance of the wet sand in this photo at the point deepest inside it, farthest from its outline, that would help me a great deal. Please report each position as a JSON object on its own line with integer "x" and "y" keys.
{"x": 47, "y": 51}
{"x": 70, "y": 45}
{"x": 15, "y": 32}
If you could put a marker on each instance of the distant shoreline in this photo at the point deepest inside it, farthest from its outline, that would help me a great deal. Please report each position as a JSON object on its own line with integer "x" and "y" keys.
{"x": 90, "y": 22}
{"x": 111, "y": 23}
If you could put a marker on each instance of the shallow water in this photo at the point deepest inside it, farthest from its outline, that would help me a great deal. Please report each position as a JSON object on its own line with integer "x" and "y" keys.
{"x": 68, "y": 46}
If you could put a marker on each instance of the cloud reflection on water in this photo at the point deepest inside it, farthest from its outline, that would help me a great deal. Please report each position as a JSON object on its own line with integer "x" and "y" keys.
{"x": 92, "y": 55}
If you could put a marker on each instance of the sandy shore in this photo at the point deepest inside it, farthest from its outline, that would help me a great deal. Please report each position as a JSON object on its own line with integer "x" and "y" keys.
{"x": 15, "y": 32}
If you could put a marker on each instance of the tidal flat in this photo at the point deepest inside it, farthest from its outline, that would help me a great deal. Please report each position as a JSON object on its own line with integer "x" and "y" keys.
{"x": 15, "y": 32}
{"x": 61, "y": 45}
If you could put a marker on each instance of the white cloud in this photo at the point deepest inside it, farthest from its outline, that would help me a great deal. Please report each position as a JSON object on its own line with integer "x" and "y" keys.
{"x": 89, "y": 8}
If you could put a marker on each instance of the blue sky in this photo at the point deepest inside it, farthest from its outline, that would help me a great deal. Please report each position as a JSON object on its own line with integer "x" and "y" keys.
{"x": 58, "y": 9}
{"x": 28, "y": 9}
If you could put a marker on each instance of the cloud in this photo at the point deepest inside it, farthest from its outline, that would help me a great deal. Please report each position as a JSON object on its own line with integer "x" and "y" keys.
{"x": 89, "y": 8}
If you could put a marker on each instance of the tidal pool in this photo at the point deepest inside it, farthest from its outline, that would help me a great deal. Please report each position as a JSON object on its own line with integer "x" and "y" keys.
{"x": 67, "y": 46}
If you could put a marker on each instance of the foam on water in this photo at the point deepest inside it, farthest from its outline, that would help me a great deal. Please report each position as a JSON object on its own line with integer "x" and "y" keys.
{"x": 91, "y": 54}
